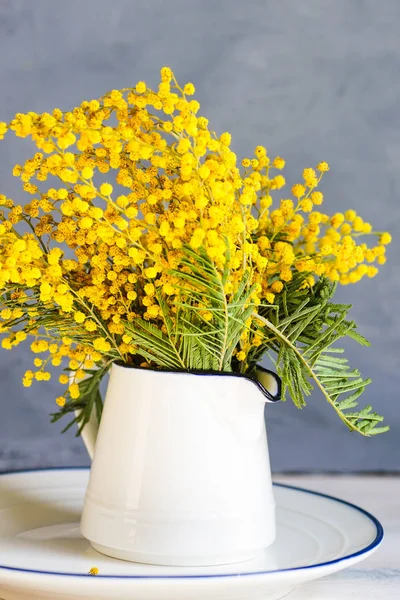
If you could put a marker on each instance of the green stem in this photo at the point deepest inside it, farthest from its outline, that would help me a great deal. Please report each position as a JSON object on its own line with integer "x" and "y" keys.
{"x": 98, "y": 321}
{"x": 27, "y": 221}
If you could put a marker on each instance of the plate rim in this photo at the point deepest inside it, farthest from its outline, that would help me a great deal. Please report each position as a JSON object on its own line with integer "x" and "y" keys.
{"x": 318, "y": 566}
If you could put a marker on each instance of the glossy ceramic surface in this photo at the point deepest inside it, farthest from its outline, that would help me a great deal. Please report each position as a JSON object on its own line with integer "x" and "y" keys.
{"x": 43, "y": 555}
{"x": 180, "y": 473}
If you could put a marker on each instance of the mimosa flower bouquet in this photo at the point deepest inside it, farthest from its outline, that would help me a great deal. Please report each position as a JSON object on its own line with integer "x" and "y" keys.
{"x": 142, "y": 243}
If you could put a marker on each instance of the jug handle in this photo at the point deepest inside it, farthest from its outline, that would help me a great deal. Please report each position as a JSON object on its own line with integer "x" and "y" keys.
{"x": 90, "y": 431}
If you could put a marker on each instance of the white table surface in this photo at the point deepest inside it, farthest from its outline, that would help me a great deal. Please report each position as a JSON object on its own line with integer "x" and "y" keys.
{"x": 378, "y": 577}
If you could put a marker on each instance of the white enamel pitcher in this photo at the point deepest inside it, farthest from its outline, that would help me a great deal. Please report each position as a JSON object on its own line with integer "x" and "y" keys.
{"x": 180, "y": 472}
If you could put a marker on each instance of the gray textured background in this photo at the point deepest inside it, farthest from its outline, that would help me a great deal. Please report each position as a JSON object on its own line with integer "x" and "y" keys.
{"x": 312, "y": 80}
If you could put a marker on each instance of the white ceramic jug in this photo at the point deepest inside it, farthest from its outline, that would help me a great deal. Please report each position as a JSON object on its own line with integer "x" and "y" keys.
{"x": 180, "y": 472}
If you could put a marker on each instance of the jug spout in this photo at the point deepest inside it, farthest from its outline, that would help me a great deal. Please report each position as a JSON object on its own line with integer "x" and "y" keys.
{"x": 268, "y": 382}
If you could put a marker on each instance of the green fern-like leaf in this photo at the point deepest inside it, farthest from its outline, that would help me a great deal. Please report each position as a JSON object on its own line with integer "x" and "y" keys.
{"x": 302, "y": 332}
{"x": 89, "y": 401}
{"x": 188, "y": 340}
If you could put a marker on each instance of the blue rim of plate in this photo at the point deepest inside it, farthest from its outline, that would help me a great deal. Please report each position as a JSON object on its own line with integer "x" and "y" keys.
{"x": 377, "y": 540}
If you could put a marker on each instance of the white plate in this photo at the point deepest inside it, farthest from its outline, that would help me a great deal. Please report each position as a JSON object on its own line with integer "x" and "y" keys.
{"x": 43, "y": 556}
